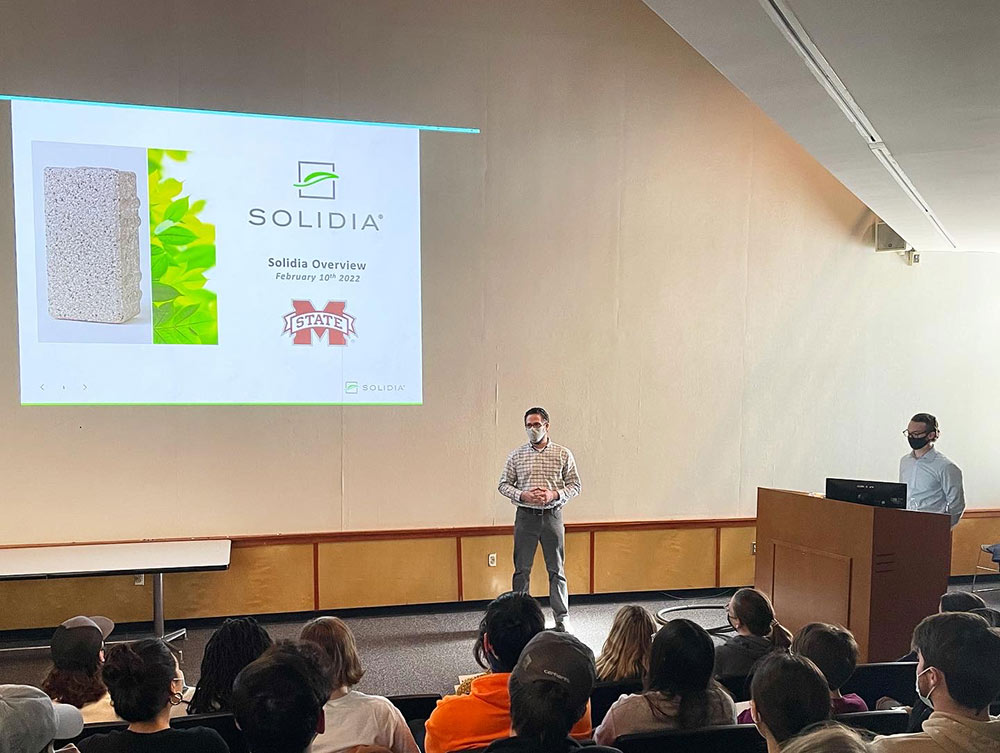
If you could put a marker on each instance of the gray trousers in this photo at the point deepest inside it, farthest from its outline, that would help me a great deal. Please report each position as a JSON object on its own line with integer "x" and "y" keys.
{"x": 529, "y": 529}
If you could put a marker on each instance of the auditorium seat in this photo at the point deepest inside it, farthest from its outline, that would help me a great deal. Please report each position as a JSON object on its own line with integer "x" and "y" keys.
{"x": 893, "y": 679}
{"x": 737, "y": 685}
{"x": 224, "y": 724}
{"x": 733, "y": 738}
{"x": 880, "y": 722}
{"x": 606, "y": 693}
{"x": 415, "y": 706}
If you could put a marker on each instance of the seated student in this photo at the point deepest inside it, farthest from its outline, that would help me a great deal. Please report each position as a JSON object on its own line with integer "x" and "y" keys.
{"x": 625, "y": 654}
{"x": 30, "y": 721}
{"x": 992, "y": 616}
{"x": 958, "y": 676}
{"x": 278, "y": 699}
{"x": 145, "y": 683}
{"x": 550, "y": 688}
{"x": 834, "y": 650}
{"x": 680, "y": 692}
{"x": 960, "y": 601}
{"x": 460, "y": 722}
{"x": 234, "y": 645}
{"x": 353, "y": 718}
{"x": 757, "y": 634}
{"x": 77, "y": 650}
{"x": 788, "y": 693}
{"x": 827, "y": 738}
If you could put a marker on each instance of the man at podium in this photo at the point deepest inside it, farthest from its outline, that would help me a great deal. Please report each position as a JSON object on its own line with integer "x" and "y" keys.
{"x": 933, "y": 482}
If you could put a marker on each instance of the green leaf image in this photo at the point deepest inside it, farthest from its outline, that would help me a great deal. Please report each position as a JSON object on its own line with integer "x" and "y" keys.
{"x": 317, "y": 177}
{"x": 182, "y": 250}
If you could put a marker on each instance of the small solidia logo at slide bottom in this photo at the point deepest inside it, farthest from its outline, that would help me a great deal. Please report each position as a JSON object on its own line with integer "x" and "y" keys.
{"x": 305, "y": 321}
{"x": 351, "y": 388}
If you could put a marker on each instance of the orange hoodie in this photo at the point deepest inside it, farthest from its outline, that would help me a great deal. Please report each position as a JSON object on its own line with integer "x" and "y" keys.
{"x": 460, "y": 722}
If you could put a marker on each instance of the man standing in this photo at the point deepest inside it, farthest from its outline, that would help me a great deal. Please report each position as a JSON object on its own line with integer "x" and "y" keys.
{"x": 933, "y": 482}
{"x": 540, "y": 477}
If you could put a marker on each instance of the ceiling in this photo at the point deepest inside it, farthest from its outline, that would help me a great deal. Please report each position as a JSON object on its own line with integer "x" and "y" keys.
{"x": 923, "y": 74}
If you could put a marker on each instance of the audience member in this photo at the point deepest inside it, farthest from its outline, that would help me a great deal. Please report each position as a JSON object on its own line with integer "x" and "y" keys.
{"x": 680, "y": 692}
{"x": 461, "y": 722}
{"x": 787, "y": 694}
{"x": 145, "y": 683}
{"x": 958, "y": 676}
{"x": 278, "y": 699}
{"x": 238, "y": 642}
{"x": 77, "y": 651}
{"x": 960, "y": 601}
{"x": 549, "y": 690}
{"x": 353, "y": 718}
{"x": 992, "y": 616}
{"x": 30, "y": 721}
{"x": 757, "y": 634}
{"x": 827, "y": 738}
{"x": 625, "y": 655}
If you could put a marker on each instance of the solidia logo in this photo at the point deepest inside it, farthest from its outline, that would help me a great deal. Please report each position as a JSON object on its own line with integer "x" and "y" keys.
{"x": 353, "y": 388}
{"x": 305, "y": 322}
{"x": 317, "y": 180}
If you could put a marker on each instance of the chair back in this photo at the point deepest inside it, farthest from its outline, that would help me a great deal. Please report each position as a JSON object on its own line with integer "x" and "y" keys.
{"x": 417, "y": 706}
{"x": 738, "y": 686}
{"x": 893, "y": 679}
{"x": 879, "y": 722}
{"x": 733, "y": 738}
{"x": 223, "y": 723}
{"x": 606, "y": 693}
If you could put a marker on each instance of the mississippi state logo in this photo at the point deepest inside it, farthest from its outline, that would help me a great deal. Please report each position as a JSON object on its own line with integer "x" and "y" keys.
{"x": 305, "y": 322}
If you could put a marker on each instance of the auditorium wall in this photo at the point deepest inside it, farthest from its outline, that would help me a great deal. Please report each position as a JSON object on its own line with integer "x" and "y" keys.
{"x": 629, "y": 242}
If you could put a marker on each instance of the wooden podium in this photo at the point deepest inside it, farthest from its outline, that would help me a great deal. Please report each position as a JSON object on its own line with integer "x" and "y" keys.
{"x": 874, "y": 570}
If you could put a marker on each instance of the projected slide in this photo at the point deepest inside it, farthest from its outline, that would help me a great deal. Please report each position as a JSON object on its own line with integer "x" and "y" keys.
{"x": 171, "y": 256}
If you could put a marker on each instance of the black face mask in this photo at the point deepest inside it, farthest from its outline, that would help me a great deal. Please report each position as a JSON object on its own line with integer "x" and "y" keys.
{"x": 917, "y": 443}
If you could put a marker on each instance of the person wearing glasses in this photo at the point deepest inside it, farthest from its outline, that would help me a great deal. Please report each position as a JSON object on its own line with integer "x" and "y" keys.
{"x": 539, "y": 478}
{"x": 933, "y": 482}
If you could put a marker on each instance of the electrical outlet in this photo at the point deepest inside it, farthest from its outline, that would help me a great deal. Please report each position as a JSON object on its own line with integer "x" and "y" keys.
{"x": 753, "y": 548}
{"x": 492, "y": 559}
{"x": 139, "y": 580}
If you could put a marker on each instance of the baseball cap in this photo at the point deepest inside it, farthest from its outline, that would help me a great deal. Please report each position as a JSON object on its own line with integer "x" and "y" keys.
{"x": 29, "y": 720}
{"x": 560, "y": 658}
{"x": 77, "y": 641}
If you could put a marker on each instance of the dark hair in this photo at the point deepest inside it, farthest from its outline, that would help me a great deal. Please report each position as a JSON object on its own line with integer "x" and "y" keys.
{"x": 511, "y": 620}
{"x": 680, "y": 664}
{"x": 278, "y": 698}
{"x": 538, "y": 411}
{"x": 960, "y": 601}
{"x": 234, "y": 645}
{"x": 138, "y": 676}
{"x": 831, "y": 648}
{"x": 75, "y": 687}
{"x": 789, "y": 693}
{"x": 966, "y": 650}
{"x": 336, "y": 639}
{"x": 992, "y": 616}
{"x": 753, "y": 609}
{"x": 927, "y": 420}
{"x": 541, "y": 710}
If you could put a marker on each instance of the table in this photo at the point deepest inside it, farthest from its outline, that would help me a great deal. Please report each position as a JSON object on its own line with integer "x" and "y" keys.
{"x": 131, "y": 558}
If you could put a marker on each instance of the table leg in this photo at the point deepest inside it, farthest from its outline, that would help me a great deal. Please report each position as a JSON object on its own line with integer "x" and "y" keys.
{"x": 158, "y": 627}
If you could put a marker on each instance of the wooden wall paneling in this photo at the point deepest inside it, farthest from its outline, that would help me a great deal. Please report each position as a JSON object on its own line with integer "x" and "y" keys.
{"x": 649, "y": 560}
{"x": 385, "y": 572}
{"x": 971, "y": 533}
{"x": 260, "y": 580}
{"x": 47, "y": 603}
{"x": 480, "y": 581}
{"x": 736, "y": 560}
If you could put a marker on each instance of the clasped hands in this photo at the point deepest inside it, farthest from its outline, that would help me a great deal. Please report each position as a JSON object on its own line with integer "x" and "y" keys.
{"x": 539, "y": 496}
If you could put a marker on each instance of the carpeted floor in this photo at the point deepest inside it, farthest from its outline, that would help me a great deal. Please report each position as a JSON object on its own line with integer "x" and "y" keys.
{"x": 411, "y": 650}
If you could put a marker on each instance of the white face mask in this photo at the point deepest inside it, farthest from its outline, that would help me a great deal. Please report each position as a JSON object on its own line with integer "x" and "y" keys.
{"x": 925, "y": 699}
{"x": 536, "y": 435}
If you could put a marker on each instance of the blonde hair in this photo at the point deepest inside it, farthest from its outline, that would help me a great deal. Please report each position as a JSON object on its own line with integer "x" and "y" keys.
{"x": 625, "y": 654}
{"x": 337, "y": 641}
{"x": 831, "y": 737}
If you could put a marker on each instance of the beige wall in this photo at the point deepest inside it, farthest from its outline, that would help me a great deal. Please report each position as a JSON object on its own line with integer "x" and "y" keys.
{"x": 629, "y": 242}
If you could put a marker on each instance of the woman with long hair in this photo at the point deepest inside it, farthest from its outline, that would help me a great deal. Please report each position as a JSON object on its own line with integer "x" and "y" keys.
{"x": 625, "y": 655}
{"x": 77, "y": 649}
{"x": 758, "y": 633}
{"x": 238, "y": 642}
{"x": 353, "y": 718}
{"x": 679, "y": 691}
{"x": 145, "y": 683}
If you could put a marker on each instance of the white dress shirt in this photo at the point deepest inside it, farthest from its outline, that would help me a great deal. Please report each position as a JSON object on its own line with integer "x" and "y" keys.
{"x": 933, "y": 484}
